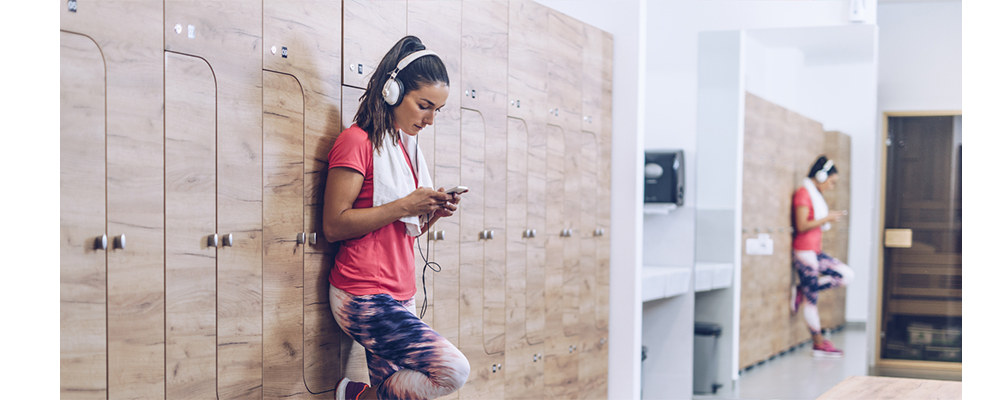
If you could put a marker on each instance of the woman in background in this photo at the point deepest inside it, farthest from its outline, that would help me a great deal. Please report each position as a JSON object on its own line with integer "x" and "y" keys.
{"x": 812, "y": 217}
{"x": 378, "y": 199}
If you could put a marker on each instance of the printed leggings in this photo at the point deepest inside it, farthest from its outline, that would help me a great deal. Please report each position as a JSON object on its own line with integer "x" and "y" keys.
{"x": 406, "y": 358}
{"x": 810, "y": 265}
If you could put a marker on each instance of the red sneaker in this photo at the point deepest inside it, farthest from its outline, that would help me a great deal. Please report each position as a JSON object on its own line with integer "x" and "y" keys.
{"x": 826, "y": 349}
{"x": 796, "y": 299}
{"x": 350, "y": 390}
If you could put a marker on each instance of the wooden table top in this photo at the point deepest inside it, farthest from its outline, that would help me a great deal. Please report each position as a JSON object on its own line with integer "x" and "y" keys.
{"x": 877, "y": 387}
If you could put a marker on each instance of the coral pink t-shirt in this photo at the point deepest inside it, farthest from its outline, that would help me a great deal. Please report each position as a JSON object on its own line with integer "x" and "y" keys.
{"x": 380, "y": 262}
{"x": 813, "y": 238}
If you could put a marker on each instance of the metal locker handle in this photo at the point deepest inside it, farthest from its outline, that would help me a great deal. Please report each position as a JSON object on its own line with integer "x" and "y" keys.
{"x": 101, "y": 243}
{"x": 300, "y": 238}
{"x": 313, "y": 238}
{"x": 227, "y": 239}
{"x": 120, "y": 241}
{"x": 213, "y": 240}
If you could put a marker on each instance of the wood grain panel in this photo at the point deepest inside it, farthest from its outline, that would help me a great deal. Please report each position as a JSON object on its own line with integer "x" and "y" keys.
{"x": 228, "y": 34}
{"x": 191, "y": 269}
{"x": 527, "y": 85}
{"x": 565, "y": 70}
{"x": 603, "y": 279}
{"x": 561, "y": 372}
{"x": 371, "y": 28}
{"x": 591, "y": 371}
{"x": 883, "y": 388}
{"x": 522, "y": 358}
{"x": 283, "y": 222}
{"x": 83, "y": 265}
{"x": 495, "y": 256}
{"x": 312, "y": 41}
{"x": 130, "y": 35}
{"x": 484, "y": 381}
{"x": 536, "y": 262}
{"x": 484, "y": 59}
{"x": 592, "y": 87}
{"x": 572, "y": 214}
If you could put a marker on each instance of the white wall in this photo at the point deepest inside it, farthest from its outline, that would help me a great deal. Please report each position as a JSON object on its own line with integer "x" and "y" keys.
{"x": 920, "y": 56}
{"x": 624, "y": 20}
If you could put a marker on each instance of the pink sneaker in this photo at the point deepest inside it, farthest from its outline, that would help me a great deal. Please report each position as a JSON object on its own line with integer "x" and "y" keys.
{"x": 350, "y": 390}
{"x": 826, "y": 349}
{"x": 796, "y": 299}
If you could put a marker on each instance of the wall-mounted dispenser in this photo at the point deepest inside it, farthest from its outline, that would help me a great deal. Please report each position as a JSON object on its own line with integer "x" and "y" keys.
{"x": 664, "y": 177}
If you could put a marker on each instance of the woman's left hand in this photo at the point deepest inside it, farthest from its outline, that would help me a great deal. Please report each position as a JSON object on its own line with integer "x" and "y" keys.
{"x": 449, "y": 208}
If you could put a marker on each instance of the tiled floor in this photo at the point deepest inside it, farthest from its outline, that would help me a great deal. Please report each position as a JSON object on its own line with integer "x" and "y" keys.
{"x": 797, "y": 375}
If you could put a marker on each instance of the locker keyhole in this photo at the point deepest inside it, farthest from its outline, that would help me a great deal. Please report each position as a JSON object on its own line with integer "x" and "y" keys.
{"x": 72, "y": 5}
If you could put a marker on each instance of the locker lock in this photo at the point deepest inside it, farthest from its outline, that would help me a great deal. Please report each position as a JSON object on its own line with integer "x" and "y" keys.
{"x": 536, "y": 357}
{"x": 496, "y": 367}
{"x": 72, "y": 5}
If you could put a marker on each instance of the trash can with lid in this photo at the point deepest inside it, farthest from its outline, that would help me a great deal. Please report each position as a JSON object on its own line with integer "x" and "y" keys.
{"x": 706, "y": 338}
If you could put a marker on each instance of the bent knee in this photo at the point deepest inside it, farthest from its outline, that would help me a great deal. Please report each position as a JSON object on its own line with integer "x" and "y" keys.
{"x": 454, "y": 374}
{"x": 847, "y": 275}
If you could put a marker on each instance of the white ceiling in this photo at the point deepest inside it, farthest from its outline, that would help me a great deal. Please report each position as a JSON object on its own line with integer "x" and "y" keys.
{"x": 823, "y": 45}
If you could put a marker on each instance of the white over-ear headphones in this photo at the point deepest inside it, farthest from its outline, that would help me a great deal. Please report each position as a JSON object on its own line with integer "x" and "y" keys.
{"x": 823, "y": 174}
{"x": 392, "y": 92}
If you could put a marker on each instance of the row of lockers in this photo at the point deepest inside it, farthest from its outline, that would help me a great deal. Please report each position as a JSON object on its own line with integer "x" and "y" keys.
{"x": 193, "y": 156}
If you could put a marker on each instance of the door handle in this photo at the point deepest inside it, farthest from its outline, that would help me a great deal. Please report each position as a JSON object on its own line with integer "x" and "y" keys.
{"x": 899, "y": 238}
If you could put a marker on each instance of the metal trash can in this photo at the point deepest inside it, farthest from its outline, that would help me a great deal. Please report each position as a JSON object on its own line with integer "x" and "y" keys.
{"x": 706, "y": 338}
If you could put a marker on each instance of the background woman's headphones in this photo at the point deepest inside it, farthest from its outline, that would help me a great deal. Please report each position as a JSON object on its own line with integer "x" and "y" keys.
{"x": 822, "y": 175}
{"x": 393, "y": 90}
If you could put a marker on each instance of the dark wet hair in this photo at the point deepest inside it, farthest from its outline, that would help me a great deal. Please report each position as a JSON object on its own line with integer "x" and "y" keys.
{"x": 375, "y": 115}
{"x": 818, "y": 166}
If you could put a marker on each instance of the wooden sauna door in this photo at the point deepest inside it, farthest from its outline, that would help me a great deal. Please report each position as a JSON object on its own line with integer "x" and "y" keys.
{"x": 922, "y": 264}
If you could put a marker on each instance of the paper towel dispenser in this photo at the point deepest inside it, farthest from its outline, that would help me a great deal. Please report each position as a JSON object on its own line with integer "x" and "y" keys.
{"x": 664, "y": 177}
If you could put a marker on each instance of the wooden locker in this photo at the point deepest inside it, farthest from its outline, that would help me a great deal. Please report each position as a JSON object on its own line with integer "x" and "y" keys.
{"x": 603, "y": 274}
{"x": 527, "y": 92}
{"x": 228, "y": 35}
{"x": 592, "y": 85}
{"x": 438, "y": 25}
{"x": 191, "y": 240}
{"x": 527, "y": 84}
{"x": 565, "y": 70}
{"x": 561, "y": 372}
{"x": 284, "y": 237}
{"x": 486, "y": 378}
{"x": 130, "y": 38}
{"x": 590, "y": 370}
{"x": 302, "y": 40}
{"x": 371, "y": 28}
{"x": 84, "y": 244}
{"x": 524, "y": 362}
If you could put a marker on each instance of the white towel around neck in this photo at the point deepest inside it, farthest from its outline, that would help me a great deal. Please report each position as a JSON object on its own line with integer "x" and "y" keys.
{"x": 393, "y": 180}
{"x": 820, "y": 209}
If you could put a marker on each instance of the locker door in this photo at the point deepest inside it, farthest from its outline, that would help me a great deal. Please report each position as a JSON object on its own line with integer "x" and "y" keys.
{"x": 284, "y": 236}
{"x": 228, "y": 35}
{"x": 484, "y": 59}
{"x": 525, "y": 369}
{"x": 565, "y": 70}
{"x": 527, "y": 65}
{"x": 486, "y": 378}
{"x": 302, "y": 43}
{"x": 130, "y": 36}
{"x": 591, "y": 82}
{"x": 191, "y": 240}
{"x": 370, "y": 30}
{"x": 574, "y": 232}
{"x": 83, "y": 220}
{"x": 560, "y": 361}
{"x": 591, "y": 369}
{"x": 438, "y": 24}
{"x": 602, "y": 281}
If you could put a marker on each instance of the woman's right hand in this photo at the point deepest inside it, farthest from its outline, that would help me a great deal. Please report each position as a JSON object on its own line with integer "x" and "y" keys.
{"x": 423, "y": 201}
{"x": 835, "y": 216}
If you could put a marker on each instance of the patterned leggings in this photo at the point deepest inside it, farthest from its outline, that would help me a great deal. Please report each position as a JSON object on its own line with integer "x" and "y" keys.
{"x": 810, "y": 265}
{"x": 406, "y": 358}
